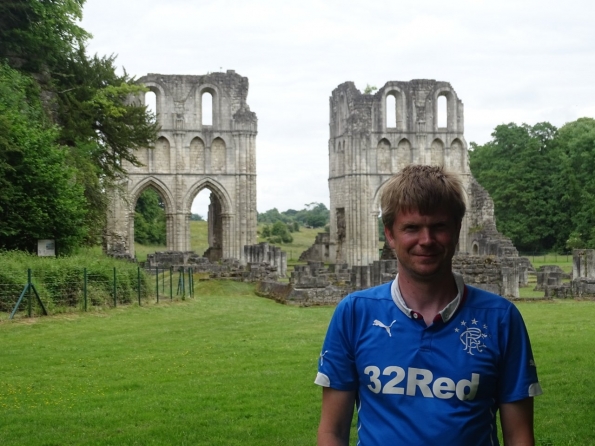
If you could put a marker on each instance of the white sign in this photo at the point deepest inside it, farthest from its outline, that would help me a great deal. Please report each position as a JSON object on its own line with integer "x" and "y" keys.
{"x": 46, "y": 248}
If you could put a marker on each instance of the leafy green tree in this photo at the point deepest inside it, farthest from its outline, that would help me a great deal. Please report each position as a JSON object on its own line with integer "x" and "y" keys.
{"x": 196, "y": 217}
{"x": 93, "y": 107}
{"x": 577, "y": 142}
{"x": 39, "y": 195}
{"x": 149, "y": 219}
{"x": 280, "y": 231}
{"x": 520, "y": 169}
{"x": 38, "y": 35}
{"x": 266, "y": 231}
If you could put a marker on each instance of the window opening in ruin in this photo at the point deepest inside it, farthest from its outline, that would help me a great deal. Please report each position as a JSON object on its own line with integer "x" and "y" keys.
{"x": 150, "y": 227}
{"x": 475, "y": 249}
{"x": 206, "y": 225}
{"x": 442, "y": 111}
{"x": 199, "y": 229}
{"x": 207, "y": 108}
{"x": 391, "y": 111}
{"x": 151, "y": 103}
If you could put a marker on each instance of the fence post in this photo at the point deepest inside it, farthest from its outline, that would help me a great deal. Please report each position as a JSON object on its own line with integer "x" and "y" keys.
{"x": 85, "y": 287}
{"x": 29, "y": 302}
{"x": 138, "y": 283}
{"x": 157, "y": 282}
{"x": 115, "y": 297}
{"x": 189, "y": 282}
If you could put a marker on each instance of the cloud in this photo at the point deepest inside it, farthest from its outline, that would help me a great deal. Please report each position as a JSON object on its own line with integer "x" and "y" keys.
{"x": 508, "y": 61}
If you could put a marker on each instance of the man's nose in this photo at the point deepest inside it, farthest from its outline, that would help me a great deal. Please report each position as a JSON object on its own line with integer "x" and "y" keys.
{"x": 425, "y": 236}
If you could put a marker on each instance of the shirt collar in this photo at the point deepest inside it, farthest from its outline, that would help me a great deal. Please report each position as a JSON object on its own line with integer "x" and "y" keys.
{"x": 446, "y": 312}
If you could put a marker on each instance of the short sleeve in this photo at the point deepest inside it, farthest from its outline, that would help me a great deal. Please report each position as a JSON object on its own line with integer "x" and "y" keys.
{"x": 336, "y": 364}
{"x": 518, "y": 372}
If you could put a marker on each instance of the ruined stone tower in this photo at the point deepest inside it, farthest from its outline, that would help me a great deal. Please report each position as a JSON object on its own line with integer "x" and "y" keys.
{"x": 195, "y": 152}
{"x": 372, "y": 137}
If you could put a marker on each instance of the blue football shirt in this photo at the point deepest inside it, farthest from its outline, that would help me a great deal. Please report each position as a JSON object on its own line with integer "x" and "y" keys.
{"x": 428, "y": 385}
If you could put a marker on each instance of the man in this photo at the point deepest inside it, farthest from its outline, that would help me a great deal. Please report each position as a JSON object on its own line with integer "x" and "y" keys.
{"x": 426, "y": 359}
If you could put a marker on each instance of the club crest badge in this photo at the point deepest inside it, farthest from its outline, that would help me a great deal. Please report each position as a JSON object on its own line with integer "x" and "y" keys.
{"x": 472, "y": 337}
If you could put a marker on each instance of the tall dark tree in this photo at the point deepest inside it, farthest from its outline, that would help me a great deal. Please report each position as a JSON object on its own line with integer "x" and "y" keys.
{"x": 39, "y": 196}
{"x": 99, "y": 124}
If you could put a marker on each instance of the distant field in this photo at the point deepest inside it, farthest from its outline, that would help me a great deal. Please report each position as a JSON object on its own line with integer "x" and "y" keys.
{"x": 199, "y": 242}
{"x": 229, "y": 368}
{"x": 302, "y": 240}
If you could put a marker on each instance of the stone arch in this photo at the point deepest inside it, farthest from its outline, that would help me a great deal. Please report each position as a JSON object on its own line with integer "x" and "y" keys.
{"x": 212, "y": 185}
{"x": 218, "y": 155}
{"x": 197, "y": 155}
{"x": 383, "y": 156}
{"x": 475, "y": 248}
{"x": 161, "y": 159}
{"x": 404, "y": 155}
{"x": 216, "y": 108}
{"x": 437, "y": 152}
{"x": 180, "y": 164}
{"x": 450, "y": 109}
{"x": 457, "y": 155}
{"x": 377, "y": 194}
{"x": 399, "y": 109}
{"x": 219, "y": 217}
{"x": 160, "y": 97}
{"x": 168, "y": 202}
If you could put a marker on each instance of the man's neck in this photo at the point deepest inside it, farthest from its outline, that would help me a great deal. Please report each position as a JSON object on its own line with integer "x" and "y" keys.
{"x": 427, "y": 297}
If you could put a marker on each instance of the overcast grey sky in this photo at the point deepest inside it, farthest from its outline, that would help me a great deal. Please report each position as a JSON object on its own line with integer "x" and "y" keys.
{"x": 509, "y": 61}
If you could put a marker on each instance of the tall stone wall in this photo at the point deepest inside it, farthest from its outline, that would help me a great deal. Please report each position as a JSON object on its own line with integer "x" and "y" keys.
{"x": 193, "y": 153}
{"x": 366, "y": 148}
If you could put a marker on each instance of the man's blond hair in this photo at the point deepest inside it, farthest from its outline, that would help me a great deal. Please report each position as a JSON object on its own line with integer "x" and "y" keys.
{"x": 424, "y": 189}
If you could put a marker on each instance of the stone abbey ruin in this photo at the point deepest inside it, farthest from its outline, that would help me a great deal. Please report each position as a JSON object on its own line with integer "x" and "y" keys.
{"x": 372, "y": 137}
{"x": 190, "y": 156}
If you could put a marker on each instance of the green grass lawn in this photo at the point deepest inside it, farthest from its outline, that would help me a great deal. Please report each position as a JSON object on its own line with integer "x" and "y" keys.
{"x": 229, "y": 368}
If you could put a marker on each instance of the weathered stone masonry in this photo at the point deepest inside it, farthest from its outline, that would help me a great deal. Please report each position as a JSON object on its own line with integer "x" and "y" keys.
{"x": 190, "y": 156}
{"x": 365, "y": 151}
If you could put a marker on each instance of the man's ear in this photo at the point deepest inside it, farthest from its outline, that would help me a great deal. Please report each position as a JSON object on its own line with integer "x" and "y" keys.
{"x": 389, "y": 237}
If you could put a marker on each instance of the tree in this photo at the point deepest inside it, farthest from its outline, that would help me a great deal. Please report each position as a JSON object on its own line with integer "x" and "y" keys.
{"x": 280, "y": 233}
{"x": 370, "y": 89}
{"x": 519, "y": 168}
{"x": 149, "y": 219}
{"x": 577, "y": 143}
{"x": 37, "y": 36}
{"x": 39, "y": 195}
{"x": 96, "y": 118}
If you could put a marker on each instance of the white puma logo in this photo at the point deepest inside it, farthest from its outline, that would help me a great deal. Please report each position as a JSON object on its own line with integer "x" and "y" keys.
{"x": 377, "y": 323}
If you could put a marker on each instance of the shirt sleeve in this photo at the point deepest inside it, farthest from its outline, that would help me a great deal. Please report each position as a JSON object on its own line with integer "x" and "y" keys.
{"x": 336, "y": 364}
{"x": 518, "y": 372}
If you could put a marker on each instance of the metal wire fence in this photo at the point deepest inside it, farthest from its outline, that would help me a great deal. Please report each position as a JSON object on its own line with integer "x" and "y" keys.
{"x": 46, "y": 289}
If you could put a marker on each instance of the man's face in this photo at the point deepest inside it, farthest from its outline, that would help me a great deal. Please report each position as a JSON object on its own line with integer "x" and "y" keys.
{"x": 424, "y": 244}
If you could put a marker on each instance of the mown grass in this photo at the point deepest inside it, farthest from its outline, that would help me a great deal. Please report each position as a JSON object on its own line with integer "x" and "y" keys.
{"x": 229, "y": 368}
